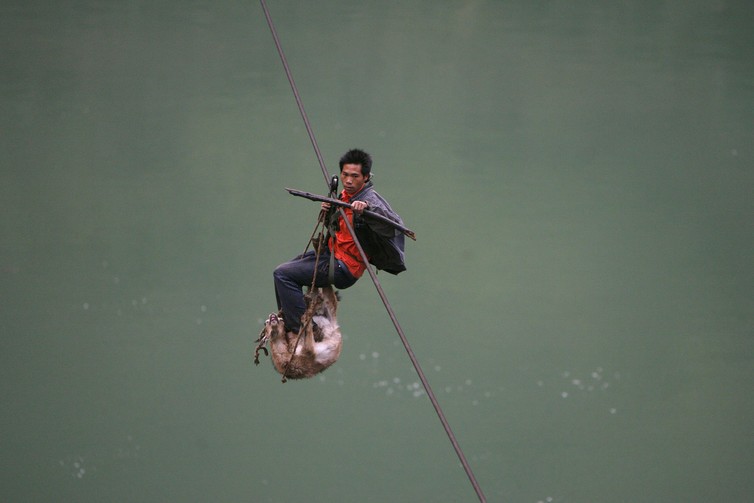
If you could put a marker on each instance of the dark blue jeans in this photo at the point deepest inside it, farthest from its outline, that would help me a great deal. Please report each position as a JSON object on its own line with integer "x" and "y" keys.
{"x": 292, "y": 276}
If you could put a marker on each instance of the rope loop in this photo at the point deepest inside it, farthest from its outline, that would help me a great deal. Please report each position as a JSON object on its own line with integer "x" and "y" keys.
{"x": 306, "y": 319}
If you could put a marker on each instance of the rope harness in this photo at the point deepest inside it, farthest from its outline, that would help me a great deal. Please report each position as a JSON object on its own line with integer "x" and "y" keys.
{"x": 327, "y": 219}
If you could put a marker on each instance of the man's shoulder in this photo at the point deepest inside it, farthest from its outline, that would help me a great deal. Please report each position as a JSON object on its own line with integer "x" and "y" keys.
{"x": 369, "y": 194}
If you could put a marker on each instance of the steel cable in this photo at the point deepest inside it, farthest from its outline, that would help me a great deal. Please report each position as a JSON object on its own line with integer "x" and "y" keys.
{"x": 378, "y": 286}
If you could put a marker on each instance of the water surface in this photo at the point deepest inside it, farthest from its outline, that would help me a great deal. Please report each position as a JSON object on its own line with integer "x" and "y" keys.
{"x": 580, "y": 295}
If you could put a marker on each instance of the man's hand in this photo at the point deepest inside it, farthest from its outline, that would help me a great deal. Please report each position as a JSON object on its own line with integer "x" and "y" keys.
{"x": 359, "y": 206}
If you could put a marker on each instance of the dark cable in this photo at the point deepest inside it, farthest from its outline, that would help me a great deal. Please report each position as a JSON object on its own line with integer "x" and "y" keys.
{"x": 380, "y": 291}
{"x": 295, "y": 93}
{"x": 415, "y": 362}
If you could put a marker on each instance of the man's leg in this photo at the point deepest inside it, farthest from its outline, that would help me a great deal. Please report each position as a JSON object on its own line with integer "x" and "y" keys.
{"x": 290, "y": 279}
{"x": 292, "y": 276}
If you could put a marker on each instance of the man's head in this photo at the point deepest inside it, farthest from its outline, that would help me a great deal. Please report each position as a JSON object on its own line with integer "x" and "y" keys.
{"x": 355, "y": 169}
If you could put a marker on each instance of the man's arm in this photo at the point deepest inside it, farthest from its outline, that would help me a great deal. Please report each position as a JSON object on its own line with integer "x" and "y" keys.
{"x": 366, "y": 213}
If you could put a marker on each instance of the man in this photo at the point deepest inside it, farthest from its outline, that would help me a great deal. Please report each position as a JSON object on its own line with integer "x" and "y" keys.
{"x": 292, "y": 276}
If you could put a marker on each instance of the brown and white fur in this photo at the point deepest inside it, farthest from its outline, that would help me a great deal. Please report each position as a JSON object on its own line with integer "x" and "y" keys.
{"x": 317, "y": 348}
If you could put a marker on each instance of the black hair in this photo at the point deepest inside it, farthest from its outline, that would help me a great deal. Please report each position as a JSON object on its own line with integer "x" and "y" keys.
{"x": 357, "y": 156}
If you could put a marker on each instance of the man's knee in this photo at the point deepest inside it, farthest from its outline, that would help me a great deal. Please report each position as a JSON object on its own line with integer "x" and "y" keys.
{"x": 279, "y": 272}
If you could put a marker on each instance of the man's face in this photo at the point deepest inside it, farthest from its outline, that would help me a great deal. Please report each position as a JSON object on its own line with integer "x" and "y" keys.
{"x": 352, "y": 178}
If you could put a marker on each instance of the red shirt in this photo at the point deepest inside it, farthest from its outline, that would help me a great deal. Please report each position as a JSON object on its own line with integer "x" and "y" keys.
{"x": 343, "y": 245}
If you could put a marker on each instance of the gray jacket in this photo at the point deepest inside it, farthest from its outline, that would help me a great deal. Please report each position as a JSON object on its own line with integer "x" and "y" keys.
{"x": 382, "y": 242}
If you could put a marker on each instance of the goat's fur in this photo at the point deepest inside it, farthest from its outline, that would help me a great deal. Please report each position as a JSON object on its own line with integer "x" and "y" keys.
{"x": 317, "y": 348}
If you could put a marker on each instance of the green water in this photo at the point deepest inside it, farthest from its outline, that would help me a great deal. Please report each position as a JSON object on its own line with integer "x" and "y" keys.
{"x": 581, "y": 294}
